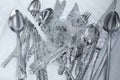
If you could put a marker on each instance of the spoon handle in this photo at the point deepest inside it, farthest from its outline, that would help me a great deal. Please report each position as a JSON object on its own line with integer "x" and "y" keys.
{"x": 7, "y": 60}
{"x": 98, "y": 67}
{"x": 13, "y": 54}
{"x": 21, "y": 71}
{"x": 86, "y": 62}
{"x": 108, "y": 57}
{"x": 68, "y": 74}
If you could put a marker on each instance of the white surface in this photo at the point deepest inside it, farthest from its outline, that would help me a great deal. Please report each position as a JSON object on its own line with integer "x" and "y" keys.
{"x": 8, "y": 38}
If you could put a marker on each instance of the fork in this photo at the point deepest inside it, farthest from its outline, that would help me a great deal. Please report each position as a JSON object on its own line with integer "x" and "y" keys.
{"x": 86, "y": 15}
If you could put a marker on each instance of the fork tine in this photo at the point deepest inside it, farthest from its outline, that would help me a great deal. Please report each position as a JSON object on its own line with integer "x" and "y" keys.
{"x": 88, "y": 14}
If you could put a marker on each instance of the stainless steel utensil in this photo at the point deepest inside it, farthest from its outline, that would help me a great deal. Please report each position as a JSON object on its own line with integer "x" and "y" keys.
{"x": 34, "y": 5}
{"x": 91, "y": 38}
{"x": 85, "y": 16}
{"x": 59, "y": 8}
{"x": 111, "y": 25}
{"x": 101, "y": 54}
{"x": 47, "y": 15}
{"x": 106, "y": 46}
{"x": 16, "y": 23}
{"x": 34, "y": 8}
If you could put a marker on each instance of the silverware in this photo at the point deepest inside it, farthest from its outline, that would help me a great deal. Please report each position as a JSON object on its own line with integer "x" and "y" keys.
{"x": 34, "y": 5}
{"x": 85, "y": 63}
{"x": 47, "y": 15}
{"x": 68, "y": 74}
{"x": 59, "y": 8}
{"x": 16, "y": 23}
{"x": 74, "y": 12}
{"x": 101, "y": 55}
{"x": 106, "y": 44}
{"x": 77, "y": 20}
{"x": 16, "y": 27}
{"x": 111, "y": 25}
{"x": 100, "y": 63}
{"x": 31, "y": 43}
{"x": 62, "y": 61}
{"x": 112, "y": 7}
{"x": 91, "y": 38}
{"x": 85, "y": 16}
{"x": 34, "y": 8}
{"x": 40, "y": 64}
{"x": 93, "y": 59}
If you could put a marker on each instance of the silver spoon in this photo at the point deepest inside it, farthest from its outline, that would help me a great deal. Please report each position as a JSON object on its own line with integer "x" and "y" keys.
{"x": 102, "y": 51}
{"x": 16, "y": 23}
{"x": 108, "y": 47}
{"x": 13, "y": 22}
{"x": 111, "y": 25}
{"x": 47, "y": 15}
{"x": 34, "y": 8}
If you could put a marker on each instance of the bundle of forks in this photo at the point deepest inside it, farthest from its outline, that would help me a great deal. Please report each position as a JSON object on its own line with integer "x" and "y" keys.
{"x": 73, "y": 43}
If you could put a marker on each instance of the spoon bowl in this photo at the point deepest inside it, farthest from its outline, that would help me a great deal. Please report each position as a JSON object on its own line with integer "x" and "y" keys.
{"x": 34, "y": 5}
{"x": 16, "y": 21}
{"x": 112, "y": 22}
{"x": 47, "y": 14}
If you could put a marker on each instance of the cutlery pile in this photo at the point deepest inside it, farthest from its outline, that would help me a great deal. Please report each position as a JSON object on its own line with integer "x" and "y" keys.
{"x": 73, "y": 43}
